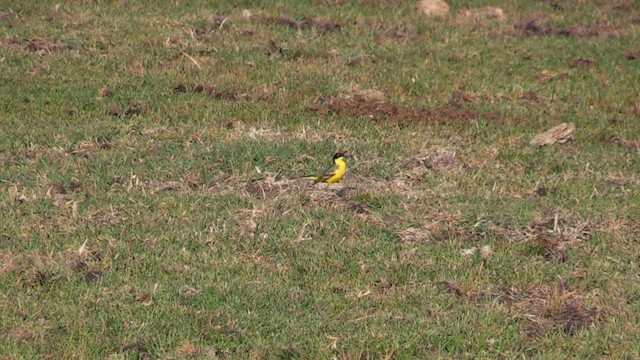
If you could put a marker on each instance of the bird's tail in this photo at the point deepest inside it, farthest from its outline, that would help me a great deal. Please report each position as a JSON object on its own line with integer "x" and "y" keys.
{"x": 307, "y": 177}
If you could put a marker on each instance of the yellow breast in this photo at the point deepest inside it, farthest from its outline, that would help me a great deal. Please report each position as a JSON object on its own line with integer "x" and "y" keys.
{"x": 338, "y": 174}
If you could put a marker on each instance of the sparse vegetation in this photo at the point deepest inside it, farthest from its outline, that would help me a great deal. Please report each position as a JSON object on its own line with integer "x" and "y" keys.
{"x": 149, "y": 207}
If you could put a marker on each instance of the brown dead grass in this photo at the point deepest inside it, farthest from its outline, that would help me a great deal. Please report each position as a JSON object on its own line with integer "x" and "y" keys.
{"x": 620, "y": 230}
{"x": 171, "y": 186}
{"x": 187, "y": 350}
{"x": 436, "y": 227}
{"x": 553, "y": 232}
{"x": 86, "y": 149}
{"x": 436, "y": 158}
{"x": 112, "y": 216}
{"x": 34, "y": 270}
{"x": 20, "y": 333}
{"x": 631, "y": 54}
{"x": 35, "y": 152}
{"x": 213, "y": 91}
{"x": 583, "y": 63}
{"x": 546, "y": 76}
{"x": 263, "y": 189}
{"x": 543, "y": 308}
{"x": 8, "y": 262}
{"x": 40, "y": 46}
{"x": 376, "y": 111}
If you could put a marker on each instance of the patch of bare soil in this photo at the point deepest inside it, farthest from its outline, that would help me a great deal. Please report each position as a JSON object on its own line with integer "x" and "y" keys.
{"x": 451, "y": 288}
{"x": 263, "y": 189}
{"x": 134, "y": 109}
{"x": 40, "y": 46}
{"x": 137, "y": 350}
{"x": 539, "y": 24}
{"x": 552, "y": 234}
{"x": 583, "y": 63}
{"x": 432, "y": 158}
{"x": 627, "y": 144}
{"x": 543, "y": 308}
{"x": 399, "y": 34}
{"x": 20, "y": 333}
{"x": 377, "y": 110}
{"x": 212, "y": 91}
{"x": 529, "y": 96}
{"x": 437, "y": 227}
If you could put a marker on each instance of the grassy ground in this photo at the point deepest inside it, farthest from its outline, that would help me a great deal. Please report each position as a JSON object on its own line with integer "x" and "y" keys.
{"x": 148, "y": 208}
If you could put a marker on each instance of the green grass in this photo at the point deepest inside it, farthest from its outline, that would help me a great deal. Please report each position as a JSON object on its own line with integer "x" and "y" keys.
{"x": 145, "y": 218}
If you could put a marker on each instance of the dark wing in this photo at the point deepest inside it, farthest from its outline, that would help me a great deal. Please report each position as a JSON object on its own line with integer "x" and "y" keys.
{"x": 331, "y": 170}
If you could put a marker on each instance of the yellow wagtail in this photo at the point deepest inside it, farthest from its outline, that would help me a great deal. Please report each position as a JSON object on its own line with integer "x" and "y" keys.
{"x": 335, "y": 172}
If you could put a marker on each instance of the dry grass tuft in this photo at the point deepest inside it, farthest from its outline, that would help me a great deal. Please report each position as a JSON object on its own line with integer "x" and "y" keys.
{"x": 189, "y": 291}
{"x": 113, "y": 216}
{"x": 187, "y": 350}
{"x": 9, "y": 261}
{"x": 436, "y": 227}
{"x": 247, "y": 227}
{"x": 88, "y": 148}
{"x": 553, "y": 231}
{"x": 433, "y": 158}
{"x": 545, "y": 307}
{"x": 19, "y": 194}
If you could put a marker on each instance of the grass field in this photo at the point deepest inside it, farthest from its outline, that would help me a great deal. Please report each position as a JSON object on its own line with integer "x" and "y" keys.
{"x": 149, "y": 206}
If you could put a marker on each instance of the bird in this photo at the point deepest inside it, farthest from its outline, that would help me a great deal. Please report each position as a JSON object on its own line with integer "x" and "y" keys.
{"x": 334, "y": 173}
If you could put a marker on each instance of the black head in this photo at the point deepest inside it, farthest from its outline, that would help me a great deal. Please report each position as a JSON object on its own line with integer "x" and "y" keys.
{"x": 338, "y": 155}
